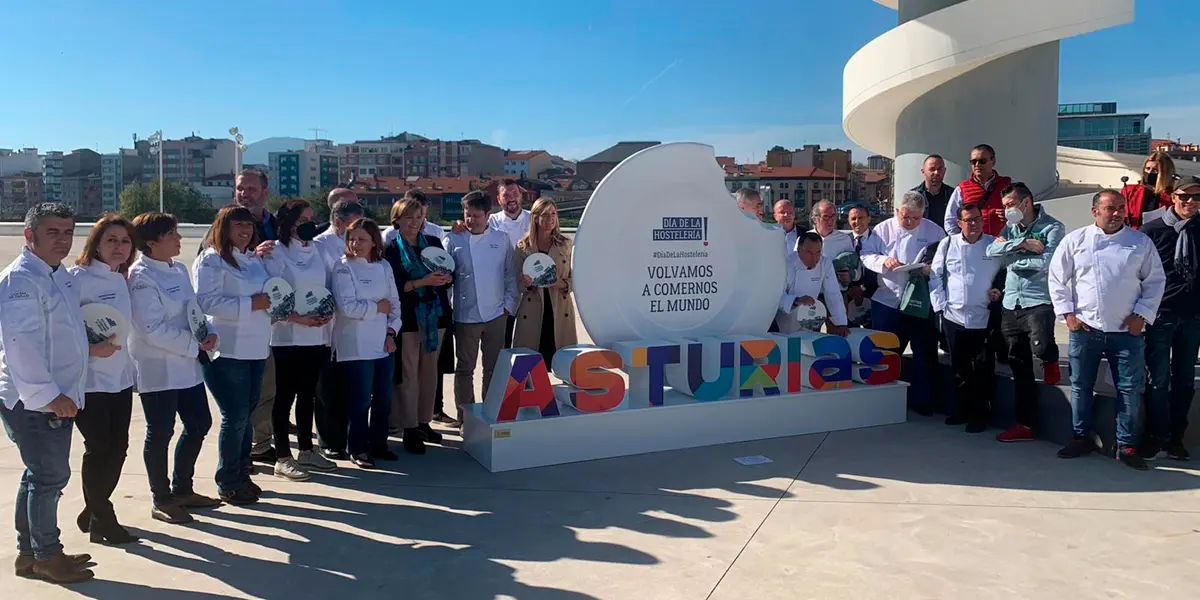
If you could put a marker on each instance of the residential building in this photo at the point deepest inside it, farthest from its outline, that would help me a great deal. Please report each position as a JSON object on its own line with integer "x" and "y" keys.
{"x": 116, "y": 171}
{"x": 1098, "y": 126}
{"x": 529, "y": 164}
{"x": 570, "y": 196}
{"x": 870, "y": 186}
{"x": 1177, "y": 150}
{"x": 803, "y": 186}
{"x": 14, "y": 162}
{"x": 810, "y": 156}
{"x": 80, "y": 161}
{"x": 83, "y": 192}
{"x": 52, "y": 174}
{"x": 190, "y": 160}
{"x": 20, "y": 191}
{"x": 409, "y": 155}
{"x": 595, "y": 167}
{"x": 297, "y": 173}
{"x": 876, "y": 162}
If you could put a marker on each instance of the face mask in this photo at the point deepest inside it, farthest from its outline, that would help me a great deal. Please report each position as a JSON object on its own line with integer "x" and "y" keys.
{"x": 1150, "y": 178}
{"x": 1013, "y": 215}
{"x": 306, "y": 231}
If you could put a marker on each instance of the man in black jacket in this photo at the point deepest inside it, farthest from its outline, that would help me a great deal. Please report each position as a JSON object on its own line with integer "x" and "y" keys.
{"x": 1174, "y": 339}
{"x": 937, "y": 194}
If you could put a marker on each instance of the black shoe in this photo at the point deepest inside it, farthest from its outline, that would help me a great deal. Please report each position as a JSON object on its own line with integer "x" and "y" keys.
{"x": 334, "y": 454}
{"x": 269, "y": 457}
{"x": 363, "y": 461}
{"x": 292, "y": 429}
{"x": 385, "y": 454}
{"x": 431, "y": 436}
{"x": 1177, "y": 452}
{"x": 84, "y": 520}
{"x": 956, "y": 419}
{"x": 1129, "y": 457}
{"x": 239, "y": 497}
{"x": 1149, "y": 449}
{"x": 443, "y": 418}
{"x": 976, "y": 427}
{"x": 1076, "y": 448}
{"x": 414, "y": 441}
{"x": 251, "y": 488}
{"x": 923, "y": 410}
{"x": 110, "y": 533}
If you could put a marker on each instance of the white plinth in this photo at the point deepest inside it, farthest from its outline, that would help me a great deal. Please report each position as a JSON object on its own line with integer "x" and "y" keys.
{"x": 681, "y": 423}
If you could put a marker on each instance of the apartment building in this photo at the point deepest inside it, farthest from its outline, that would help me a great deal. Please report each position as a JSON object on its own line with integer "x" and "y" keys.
{"x": 411, "y": 155}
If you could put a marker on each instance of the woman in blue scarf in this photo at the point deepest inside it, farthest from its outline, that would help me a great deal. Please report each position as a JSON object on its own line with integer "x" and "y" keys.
{"x": 425, "y": 314}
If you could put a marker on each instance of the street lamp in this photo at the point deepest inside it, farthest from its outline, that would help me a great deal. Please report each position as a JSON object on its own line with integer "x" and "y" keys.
{"x": 238, "y": 149}
{"x": 156, "y": 148}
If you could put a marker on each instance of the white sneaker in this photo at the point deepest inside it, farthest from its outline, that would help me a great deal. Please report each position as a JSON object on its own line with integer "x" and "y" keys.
{"x": 315, "y": 462}
{"x": 288, "y": 469}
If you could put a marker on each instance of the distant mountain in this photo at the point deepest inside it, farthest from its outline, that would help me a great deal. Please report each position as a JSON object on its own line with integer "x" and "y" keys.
{"x": 259, "y": 152}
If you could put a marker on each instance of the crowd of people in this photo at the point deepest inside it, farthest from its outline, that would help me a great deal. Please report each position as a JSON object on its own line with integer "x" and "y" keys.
{"x": 985, "y": 272}
{"x": 360, "y": 350}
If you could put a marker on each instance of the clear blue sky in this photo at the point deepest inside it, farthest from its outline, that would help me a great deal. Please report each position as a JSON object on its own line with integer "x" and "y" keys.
{"x": 742, "y": 76}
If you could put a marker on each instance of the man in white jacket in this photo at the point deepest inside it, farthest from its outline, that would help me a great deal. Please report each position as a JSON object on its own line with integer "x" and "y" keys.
{"x": 1106, "y": 282}
{"x": 809, "y": 276}
{"x": 43, "y": 365}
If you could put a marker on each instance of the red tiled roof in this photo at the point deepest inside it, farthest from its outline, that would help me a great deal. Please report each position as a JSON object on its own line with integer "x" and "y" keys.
{"x": 523, "y": 155}
{"x": 399, "y": 185}
{"x": 874, "y": 176}
{"x": 764, "y": 172}
{"x": 726, "y": 161}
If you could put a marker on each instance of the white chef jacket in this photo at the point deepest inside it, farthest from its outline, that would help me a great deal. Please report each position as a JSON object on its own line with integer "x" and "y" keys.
{"x": 298, "y": 264}
{"x": 359, "y": 331}
{"x": 332, "y": 247}
{"x": 835, "y": 243}
{"x": 389, "y": 234}
{"x": 905, "y": 246}
{"x": 789, "y": 244}
{"x": 97, "y": 283}
{"x": 1113, "y": 276}
{"x": 968, "y": 272}
{"x": 43, "y": 346}
{"x": 224, "y": 295}
{"x": 803, "y": 281}
{"x": 164, "y": 351}
{"x": 485, "y": 280}
{"x": 514, "y": 228}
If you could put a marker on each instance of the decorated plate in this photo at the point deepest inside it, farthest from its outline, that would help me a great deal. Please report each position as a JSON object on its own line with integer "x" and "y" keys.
{"x": 314, "y": 300}
{"x": 437, "y": 259}
{"x": 541, "y": 269}
{"x": 811, "y": 317}
{"x": 282, "y": 299}
{"x": 197, "y": 321}
{"x": 102, "y": 322}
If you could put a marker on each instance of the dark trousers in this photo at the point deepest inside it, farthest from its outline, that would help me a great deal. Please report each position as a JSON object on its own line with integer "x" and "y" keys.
{"x": 160, "y": 408}
{"x": 974, "y": 370}
{"x": 509, "y": 325}
{"x": 923, "y": 335}
{"x": 44, "y": 443}
{"x": 445, "y": 367}
{"x": 297, "y": 369}
{"x": 104, "y": 423}
{"x": 1028, "y": 334}
{"x": 1171, "y": 346}
{"x": 369, "y": 386}
{"x": 236, "y": 385}
{"x": 332, "y": 408}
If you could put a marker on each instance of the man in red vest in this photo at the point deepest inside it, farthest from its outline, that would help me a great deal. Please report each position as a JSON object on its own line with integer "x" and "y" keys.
{"x": 984, "y": 188}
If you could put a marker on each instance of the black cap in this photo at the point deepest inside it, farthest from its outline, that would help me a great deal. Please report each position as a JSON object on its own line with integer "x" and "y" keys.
{"x": 1186, "y": 182}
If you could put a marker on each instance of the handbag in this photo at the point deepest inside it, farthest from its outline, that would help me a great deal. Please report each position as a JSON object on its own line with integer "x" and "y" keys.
{"x": 914, "y": 301}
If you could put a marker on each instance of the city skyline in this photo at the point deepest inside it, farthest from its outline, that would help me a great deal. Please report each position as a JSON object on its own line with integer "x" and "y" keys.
{"x": 571, "y": 80}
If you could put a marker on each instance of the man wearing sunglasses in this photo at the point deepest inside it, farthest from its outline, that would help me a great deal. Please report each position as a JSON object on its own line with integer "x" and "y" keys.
{"x": 983, "y": 188}
{"x": 1173, "y": 340}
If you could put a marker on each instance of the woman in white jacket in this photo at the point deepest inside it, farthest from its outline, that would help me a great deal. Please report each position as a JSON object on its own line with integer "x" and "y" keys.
{"x": 166, "y": 360}
{"x": 300, "y": 343}
{"x": 229, "y": 287}
{"x": 99, "y": 277}
{"x": 364, "y": 339}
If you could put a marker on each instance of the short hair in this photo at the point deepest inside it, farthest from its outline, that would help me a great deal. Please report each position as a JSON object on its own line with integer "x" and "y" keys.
{"x": 784, "y": 201}
{"x": 746, "y": 194}
{"x": 509, "y": 181}
{"x": 287, "y": 216}
{"x": 913, "y": 200}
{"x": 937, "y": 156}
{"x": 1107, "y": 191}
{"x": 372, "y": 230}
{"x": 809, "y": 236}
{"x": 1018, "y": 189}
{"x": 38, "y": 212}
{"x": 479, "y": 200}
{"x": 249, "y": 172}
{"x": 150, "y": 227}
{"x": 92, "y": 246}
{"x": 332, "y": 197}
{"x": 981, "y": 147}
{"x": 966, "y": 208}
{"x": 855, "y": 207}
{"x": 401, "y": 207}
{"x": 818, "y": 204}
{"x": 417, "y": 196}
{"x": 344, "y": 210}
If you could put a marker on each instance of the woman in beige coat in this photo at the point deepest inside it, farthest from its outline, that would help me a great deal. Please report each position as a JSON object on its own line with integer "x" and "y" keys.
{"x": 536, "y": 327}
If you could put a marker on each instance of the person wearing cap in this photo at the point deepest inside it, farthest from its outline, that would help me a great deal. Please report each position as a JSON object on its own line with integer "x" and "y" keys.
{"x": 1173, "y": 340}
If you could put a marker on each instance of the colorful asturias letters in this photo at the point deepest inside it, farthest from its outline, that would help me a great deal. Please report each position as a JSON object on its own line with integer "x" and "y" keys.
{"x": 705, "y": 369}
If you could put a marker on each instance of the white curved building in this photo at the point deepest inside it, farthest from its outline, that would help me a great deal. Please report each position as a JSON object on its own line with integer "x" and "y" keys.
{"x": 956, "y": 73}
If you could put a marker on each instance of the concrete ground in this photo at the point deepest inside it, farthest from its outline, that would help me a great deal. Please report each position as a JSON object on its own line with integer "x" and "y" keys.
{"x": 918, "y": 510}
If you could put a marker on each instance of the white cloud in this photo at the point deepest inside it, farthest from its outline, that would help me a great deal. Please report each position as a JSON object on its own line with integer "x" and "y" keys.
{"x": 747, "y": 143}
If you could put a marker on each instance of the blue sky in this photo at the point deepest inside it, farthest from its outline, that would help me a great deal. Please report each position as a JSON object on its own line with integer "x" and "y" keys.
{"x": 533, "y": 74}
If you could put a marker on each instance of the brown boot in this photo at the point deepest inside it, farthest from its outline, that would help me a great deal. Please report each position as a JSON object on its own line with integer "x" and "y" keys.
{"x": 61, "y": 569}
{"x": 24, "y": 563}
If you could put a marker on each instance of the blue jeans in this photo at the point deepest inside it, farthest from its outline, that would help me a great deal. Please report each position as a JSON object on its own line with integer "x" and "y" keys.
{"x": 1171, "y": 346}
{"x": 160, "y": 408}
{"x": 923, "y": 335}
{"x": 44, "y": 442}
{"x": 1126, "y": 359}
{"x": 369, "y": 391}
{"x": 235, "y": 385}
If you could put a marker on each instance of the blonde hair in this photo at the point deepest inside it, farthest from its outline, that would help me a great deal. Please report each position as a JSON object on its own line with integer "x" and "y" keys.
{"x": 1166, "y": 172}
{"x": 529, "y": 240}
{"x": 402, "y": 207}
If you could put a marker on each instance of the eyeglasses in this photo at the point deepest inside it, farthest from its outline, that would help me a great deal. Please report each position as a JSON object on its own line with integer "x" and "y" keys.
{"x": 980, "y": 161}
{"x": 972, "y": 221}
{"x": 1185, "y": 198}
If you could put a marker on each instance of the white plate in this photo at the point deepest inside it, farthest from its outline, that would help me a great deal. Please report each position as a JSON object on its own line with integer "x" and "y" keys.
{"x": 314, "y": 300}
{"x": 540, "y": 268}
{"x": 197, "y": 321}
{"x": 102, "y": 322}
{"x": 858, "y": 313}
{"x": 279, "y": 291}
{"x": 811, "y": 317}
{"x": 437, "y": 259}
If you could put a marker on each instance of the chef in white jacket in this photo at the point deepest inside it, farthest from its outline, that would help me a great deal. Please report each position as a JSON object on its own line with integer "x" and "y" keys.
{"x": 809, "y": 276}
{"x": 835, "y": 241}
{"x": 904, "y": 240}
{"x": 166, "y": 356}
{"x": 485, "y": 294}
{"x": 960, "y": 289}
{"x": 1106, "y": 281}
{"x": 332, "y": 241}
{"x": 43, "y": 363}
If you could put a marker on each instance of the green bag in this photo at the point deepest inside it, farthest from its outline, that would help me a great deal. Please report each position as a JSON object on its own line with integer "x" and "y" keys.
{"x": 914, "y": 302}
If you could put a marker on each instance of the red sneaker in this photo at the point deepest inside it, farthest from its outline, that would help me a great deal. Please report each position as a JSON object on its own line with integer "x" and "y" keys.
{"x": 1016, "y": 433}
{"x": 1051, "y": 373}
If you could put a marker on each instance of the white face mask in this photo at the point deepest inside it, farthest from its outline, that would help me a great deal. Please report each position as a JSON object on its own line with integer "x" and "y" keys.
{"x": 1013, "y": 215}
